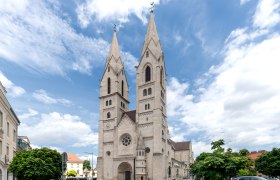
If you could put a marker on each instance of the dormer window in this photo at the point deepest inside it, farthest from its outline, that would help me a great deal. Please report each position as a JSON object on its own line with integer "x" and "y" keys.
{"x": 147, "y": 74}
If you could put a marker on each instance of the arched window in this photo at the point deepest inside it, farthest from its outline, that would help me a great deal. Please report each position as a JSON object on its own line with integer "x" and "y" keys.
{"x": 110, "y": 102}
{"x": 109, "y": 85}
{"x": 147, "y": 74}
{"x": 149, "y": 91}
{"x": 122, "y": 88}
{"x": 108, "y": 115}
{"x": 161, "y": 76}
{"x": 145, "y": 92}
{"x": 147, "y": 54}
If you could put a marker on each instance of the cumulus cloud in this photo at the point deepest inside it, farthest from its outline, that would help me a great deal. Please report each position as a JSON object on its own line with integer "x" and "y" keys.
{"x": 117, "y": 10}
{"x": 241, "y": 102}
{"x": 38, "y": 39}
{"x": 42, "y": 96}
{"x": 12, "y": 89}
{"x": 56, "y": 130}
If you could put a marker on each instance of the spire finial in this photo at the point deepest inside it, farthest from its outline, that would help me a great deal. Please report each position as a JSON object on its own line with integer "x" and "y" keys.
{"x": 152, "y": 7}
{"x": 115, "y": 27}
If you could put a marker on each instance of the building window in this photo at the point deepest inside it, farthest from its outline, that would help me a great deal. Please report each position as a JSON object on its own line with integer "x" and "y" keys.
{"x": 109, "y": 85}
{"x": 1, "y": 119}
{"x": 108, "y": 153}
{"x": 0, "y": 148}
{"x": 110, "y": 102}
{"x": 148, "y": 106}
{"x": 161, "y": 93}
{"x": 147, "y": 54}
{"x": 161, "y": 76}
{"x": 145, "y": 92}
{"x": 7, "y": 151}
{"x": 126, "y": 140}
{"x": 122, "y": 88}
{"x": 14, "y": 135}
{"x": 147, "y": 74}
{"x": 108, "y": 115}
{"x": 149, "y": 91}
{"x": 108, "y": 69}
{"x": 106, "y": 103}
{"x": 8, "y": 129}
{"x": 147, "y": 149}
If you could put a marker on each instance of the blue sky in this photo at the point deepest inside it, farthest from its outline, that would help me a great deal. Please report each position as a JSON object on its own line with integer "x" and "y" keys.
{"x": 222, "y": 60}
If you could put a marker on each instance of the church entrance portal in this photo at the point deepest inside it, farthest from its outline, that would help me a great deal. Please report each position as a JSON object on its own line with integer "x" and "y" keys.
{"x": 124, "y": 171}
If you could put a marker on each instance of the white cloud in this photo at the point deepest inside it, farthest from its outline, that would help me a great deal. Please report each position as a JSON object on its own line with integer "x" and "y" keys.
{"x": 241, "y": 102}
{"x": 267, "y": 13}
{"x": 12, "y": 89}
{"x": 42, "y": 96}
{"x": 38, "y": 39}
{"x": 29, "y": 114}
{"x": 56, "y": 130}
{"x": 112, "y": 10}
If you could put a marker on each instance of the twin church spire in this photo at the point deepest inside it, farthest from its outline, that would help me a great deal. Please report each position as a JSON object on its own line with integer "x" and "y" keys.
{"x": 151, "y": 35}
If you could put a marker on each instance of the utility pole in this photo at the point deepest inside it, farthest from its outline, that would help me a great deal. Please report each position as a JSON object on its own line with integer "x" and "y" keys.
{"x": 91, "y": 163}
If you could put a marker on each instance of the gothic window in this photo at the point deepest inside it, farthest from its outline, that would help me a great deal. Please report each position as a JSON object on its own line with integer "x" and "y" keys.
{"x": 149, "y": 91}
{"x": 162, "y": 133}
{"x": 109, "y": 85}
{"x": 106, "y": 103}
{"x": 108, "y": 153}
{"x": 122, "y": 88}
{"x": 147, "y": 54}
{"x": 147, "y": 74}
{"x": 108, "y": 115}
{"x": 1, "y": 119}
{"x": 145, "y": 92}
{"x": 108, "y": 69}
{"x": 126, "y": 140}
{"x": 110, "y": 102}
{"x": 148, "y": 106}
{"x": 161, "y": 76}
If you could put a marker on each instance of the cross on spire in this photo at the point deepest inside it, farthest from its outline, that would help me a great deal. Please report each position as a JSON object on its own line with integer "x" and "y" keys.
{"x": 152, "y": 7}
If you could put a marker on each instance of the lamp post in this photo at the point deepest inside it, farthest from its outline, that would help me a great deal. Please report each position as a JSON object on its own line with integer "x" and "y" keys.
{"x": 91, "y": 163}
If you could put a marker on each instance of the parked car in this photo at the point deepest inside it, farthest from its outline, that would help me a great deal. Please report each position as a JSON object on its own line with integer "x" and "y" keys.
{"x": 249, "y": 178}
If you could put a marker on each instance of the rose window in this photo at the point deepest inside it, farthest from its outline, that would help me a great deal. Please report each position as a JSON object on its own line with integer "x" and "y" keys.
{"x": 126, "y": 140}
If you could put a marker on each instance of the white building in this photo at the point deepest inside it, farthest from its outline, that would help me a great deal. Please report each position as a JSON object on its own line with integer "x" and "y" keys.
{"x": 8, "y": 134}
{"x": 136, "y": 144}
{"x": 75, "y": 163}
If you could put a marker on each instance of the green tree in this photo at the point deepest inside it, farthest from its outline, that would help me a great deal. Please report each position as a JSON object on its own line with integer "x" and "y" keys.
{"x": 269, "y": 163}
{"x": 220, "y": 164}
{"x": 37, "y": 164}
{"x": 71, "y": 173}
{"x": 86, "y": 165}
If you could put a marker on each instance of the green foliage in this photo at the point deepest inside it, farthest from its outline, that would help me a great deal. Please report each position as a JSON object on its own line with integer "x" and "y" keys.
{"x": 86, "y": 165}
{"x": 37, "y": 164}
{"x": 220, "y": 164}
{"x": 71, "y": 173}
{"x": 246, "y": 172}
{"x": 269, "y": 163}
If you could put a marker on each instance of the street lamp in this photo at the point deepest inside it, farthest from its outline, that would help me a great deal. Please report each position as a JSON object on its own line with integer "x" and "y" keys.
{"x": 91, "y": 163}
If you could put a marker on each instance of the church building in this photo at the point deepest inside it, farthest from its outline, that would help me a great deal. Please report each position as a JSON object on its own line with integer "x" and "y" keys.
{"x": 135, "y": 144}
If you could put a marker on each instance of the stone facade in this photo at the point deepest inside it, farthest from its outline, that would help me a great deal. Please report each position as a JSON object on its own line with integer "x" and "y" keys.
{"x": 136, "y": 144}
{"x": 8, "y": 134}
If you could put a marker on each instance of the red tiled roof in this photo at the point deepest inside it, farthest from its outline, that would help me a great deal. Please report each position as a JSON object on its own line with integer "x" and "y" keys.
{"x": 255, "y": 155}
{"x": 73, "y": 158}
{"x": 131, "y": 115}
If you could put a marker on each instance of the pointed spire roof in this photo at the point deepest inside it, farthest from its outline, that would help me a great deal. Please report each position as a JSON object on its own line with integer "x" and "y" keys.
{"x": 114, "y": 49}
{"x": 151, "y": 32}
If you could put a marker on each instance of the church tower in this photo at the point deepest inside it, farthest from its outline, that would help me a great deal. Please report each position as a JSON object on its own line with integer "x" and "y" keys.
{"x": 113, "y": 103}
{"x": 151, "y": 103}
